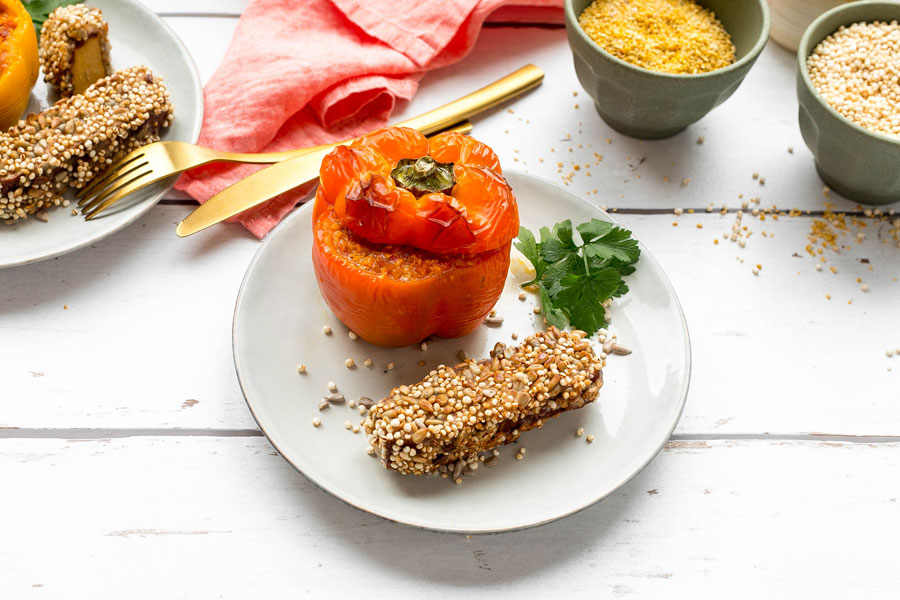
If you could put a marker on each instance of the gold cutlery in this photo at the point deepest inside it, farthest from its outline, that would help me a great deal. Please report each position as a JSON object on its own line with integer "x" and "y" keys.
{"x": 159, "y": 160}
{"x": 284, "y": 176}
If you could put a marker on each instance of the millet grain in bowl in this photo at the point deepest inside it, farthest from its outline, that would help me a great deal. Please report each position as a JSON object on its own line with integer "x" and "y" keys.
{"x": 668, "y": 36}
{"x": 857, "y": 71}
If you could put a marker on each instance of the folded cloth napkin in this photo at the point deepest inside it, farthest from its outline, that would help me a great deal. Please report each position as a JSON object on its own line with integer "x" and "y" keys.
{"x": 305, "y": 72}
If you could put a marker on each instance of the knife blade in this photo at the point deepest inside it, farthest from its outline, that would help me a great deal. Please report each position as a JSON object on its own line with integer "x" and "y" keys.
{"x": 284, "y": 176}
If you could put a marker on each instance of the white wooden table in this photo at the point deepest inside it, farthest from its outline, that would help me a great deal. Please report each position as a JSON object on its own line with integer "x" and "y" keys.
{"x": 131, "y": 467}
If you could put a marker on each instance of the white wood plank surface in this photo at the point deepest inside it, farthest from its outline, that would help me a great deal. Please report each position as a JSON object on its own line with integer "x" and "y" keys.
{"x": 225, "y": 518}
{"x": 131, "y": 466}
{"x": 771, "y": 353}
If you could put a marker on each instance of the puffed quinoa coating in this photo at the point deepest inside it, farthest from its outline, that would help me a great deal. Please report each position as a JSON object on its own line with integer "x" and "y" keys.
{"x": 74, "y": 140}
{"x": 457, "y": 412}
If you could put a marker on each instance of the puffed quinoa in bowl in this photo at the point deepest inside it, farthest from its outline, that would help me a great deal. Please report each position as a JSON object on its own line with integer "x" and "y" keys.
{"x": 848, "y": 86}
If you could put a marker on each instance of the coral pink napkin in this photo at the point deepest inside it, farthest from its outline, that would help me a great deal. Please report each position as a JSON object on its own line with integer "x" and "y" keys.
{"x": 305, "y": 72}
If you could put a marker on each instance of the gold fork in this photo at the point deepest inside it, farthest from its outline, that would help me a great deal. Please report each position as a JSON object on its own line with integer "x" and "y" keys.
{"x": 160, "y": 160}
{"x": 148, "y": 164}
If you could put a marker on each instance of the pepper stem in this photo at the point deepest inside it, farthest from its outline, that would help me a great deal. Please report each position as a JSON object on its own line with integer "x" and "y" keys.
{"x": 424, "y": 175}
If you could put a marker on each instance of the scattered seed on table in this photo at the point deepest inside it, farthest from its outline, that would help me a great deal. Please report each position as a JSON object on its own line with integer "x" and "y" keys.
{"x": 685, "y": 182}
{"x": 316, "y": 422}
{"x": 701, "y": 139}
{"x": 332, "y": 386}
{"x": 755, "y": 271}
{"x": 590, "y": 438}
{"x": 352, "y": 403}
{"x": 522, "y": 296}
{"x": 323, "y": 404}
{"x": 537, "y": 310}
{"x": 368, "y": 363}
{"x": 864, "y": 287}
{"x": 889, "y": 353}
{"x": 352, "y": 335}
{"x": 679, "y": 211}
{"x": 355, "y": 429}
{"x": 818, "y": 266}
{"x": 349, "y": 363}
{"x": 514, "y": 335}
{"x": 493, "y": 321}
{"x": 362, "y": 410}
{"x": 579, "y": 432}
{"x": 390, "y": 366}
{"x": 366, "y": 401}
{"x": 370, "y": 451}
{"x": 462, "y": 355}
{"x": 347, "y": 425}
{"x": 301, "y": 368}
{"x": 423, "y": 346}
{"x": 326, "y": 330}
{"x": 421, "y": 363}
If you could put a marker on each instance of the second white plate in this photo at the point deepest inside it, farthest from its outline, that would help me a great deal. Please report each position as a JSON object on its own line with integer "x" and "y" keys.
{"x": 137, "y": 37}
{"x": 278, "y": 323}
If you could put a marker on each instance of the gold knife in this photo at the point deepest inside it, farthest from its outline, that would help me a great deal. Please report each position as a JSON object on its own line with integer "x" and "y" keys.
{"x": 284, "y": 176}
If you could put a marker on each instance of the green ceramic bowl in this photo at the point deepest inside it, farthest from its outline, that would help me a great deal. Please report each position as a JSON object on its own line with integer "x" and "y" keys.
{"x": 651, "y": 105}
{"x": 855, "y": 162}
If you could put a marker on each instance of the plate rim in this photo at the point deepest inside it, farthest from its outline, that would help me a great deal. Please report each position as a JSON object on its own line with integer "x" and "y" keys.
{"x": 143, "y": 207}
{"x": 645, "y": 254}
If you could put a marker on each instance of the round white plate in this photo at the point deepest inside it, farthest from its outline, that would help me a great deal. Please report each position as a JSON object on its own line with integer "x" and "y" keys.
{"x": 137, "y": 36}
{"x": 278, "y": 324}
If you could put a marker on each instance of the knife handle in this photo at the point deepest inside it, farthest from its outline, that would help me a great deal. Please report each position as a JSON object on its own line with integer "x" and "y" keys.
{"x": 500, "y": 91}
{"x": 275, "y": 157}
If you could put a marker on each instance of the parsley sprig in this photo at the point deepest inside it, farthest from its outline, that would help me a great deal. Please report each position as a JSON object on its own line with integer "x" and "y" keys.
{"x": 574, "y": 280}
{"x": 41, "y": 9}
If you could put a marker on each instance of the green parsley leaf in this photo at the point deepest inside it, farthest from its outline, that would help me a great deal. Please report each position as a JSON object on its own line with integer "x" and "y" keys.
{"x": 557, "y": 245}
{"x": 616, "y": 243}
{"x": 554, "y": 316}
{"x": 41, "y": 9}
{"x": 594, "y": 229}
{"x": 574, "y": 280}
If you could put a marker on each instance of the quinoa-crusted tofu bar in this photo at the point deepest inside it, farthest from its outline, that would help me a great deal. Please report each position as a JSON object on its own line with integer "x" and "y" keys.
{"x": 457, "y": 412}
{"x": 75, "y": 48}
{"x": 77, "y": 138}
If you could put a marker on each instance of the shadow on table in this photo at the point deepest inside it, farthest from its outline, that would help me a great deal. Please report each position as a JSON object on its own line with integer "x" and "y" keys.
{"x": 476, "y": 560}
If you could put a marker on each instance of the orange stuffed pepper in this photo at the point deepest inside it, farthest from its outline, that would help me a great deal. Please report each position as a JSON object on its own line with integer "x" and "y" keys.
{"x": 18, "y": 61}
{"x": 412, "y": 236}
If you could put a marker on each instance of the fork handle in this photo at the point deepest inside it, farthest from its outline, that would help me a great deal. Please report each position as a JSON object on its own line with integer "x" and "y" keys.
{"x": 274, "y": 157}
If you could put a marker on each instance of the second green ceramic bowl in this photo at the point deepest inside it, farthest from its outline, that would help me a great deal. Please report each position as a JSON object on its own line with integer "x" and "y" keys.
{"x": 858, "y": 164}
{"x": 651, "y": 105}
